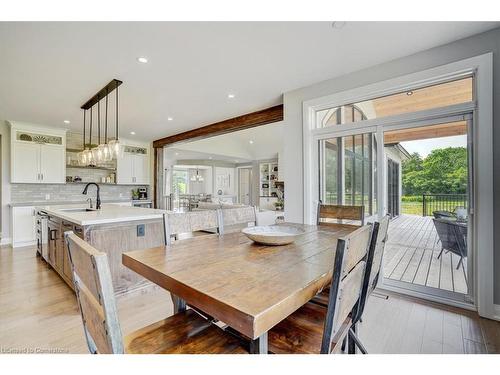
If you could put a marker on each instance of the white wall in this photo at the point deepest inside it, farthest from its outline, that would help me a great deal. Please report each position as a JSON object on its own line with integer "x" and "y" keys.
{"x": 462, "y": 49}
{"x": 5, "y": 168}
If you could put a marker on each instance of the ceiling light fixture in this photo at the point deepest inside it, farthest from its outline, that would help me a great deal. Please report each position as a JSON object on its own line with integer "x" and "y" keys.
{"x": 142, "y": 60}
{"x": 231, "y": 96}
{"x": 93, "y": 154}
{"x": 409, "y": 93}
{"x": 251, "y": 142}
{"x": 66, "y": 121}
{"x": 176, "y": 153}
{"x": 170, "y": 118}
{"x": 210, "y": 157}
{"x": 133, "y": 133}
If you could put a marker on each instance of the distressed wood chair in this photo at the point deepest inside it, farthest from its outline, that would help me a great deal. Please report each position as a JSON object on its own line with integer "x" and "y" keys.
{"x": 176, "y": 223}
{"x": 234, "y": 219}
{"x": 317, "y": 329}
{"x": 374, "y": 265}
{"x": 339, "y": 213}
{"x": 185, "y": 332}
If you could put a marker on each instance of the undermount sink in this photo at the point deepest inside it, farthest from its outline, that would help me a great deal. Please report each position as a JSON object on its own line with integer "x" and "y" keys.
{"x": 79, "y": 209}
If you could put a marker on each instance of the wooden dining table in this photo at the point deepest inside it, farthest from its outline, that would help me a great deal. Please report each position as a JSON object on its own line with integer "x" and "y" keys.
{"x": 248, "y": 286}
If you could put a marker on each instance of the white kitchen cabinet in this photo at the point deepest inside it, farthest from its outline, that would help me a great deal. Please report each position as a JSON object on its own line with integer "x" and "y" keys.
{"x": 52, "y": 164}
{"x": 38, "y": 155}
{"x": 23, "y": 226}
{"x": 133, "y": 167}
{"x": 25, "y": 162}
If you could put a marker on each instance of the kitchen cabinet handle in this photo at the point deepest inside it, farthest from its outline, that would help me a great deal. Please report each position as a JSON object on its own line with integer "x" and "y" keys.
{"x": 52, "y": 237}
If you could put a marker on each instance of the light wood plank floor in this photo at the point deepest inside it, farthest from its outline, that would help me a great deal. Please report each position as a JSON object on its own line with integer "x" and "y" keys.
{"x": 39, "y": 312}
{"x": 411, "y": 255}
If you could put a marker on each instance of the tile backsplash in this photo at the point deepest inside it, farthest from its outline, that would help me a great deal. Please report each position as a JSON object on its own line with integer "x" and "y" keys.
{"x": 67, "y": 192}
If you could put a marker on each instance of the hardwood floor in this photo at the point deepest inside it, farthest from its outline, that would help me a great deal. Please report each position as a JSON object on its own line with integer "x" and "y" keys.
{"x": 38, "y": 311}
{"x": 411, "y": 255}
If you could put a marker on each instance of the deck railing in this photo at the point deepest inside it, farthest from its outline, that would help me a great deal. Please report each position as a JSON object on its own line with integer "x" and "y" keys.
{"x": 442, "y": 202}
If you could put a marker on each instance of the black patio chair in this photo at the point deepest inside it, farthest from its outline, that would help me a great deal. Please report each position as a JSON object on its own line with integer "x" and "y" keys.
{"x": 453, "y": 237}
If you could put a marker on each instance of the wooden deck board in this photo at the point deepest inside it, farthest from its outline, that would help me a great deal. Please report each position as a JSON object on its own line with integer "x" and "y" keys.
{"x": 411, "y": 256}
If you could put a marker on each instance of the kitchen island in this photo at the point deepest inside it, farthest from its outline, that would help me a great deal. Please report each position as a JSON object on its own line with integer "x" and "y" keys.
{"x": 112, "y": 229}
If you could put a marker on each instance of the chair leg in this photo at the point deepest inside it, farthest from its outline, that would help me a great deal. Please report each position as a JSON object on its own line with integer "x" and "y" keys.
{"x": 460, "y": 262}
{"x": 441, "y": 252}
{"x": 355, "y": 340}
{"x": 344, "y": 342}
{"x": 351, "y": 345}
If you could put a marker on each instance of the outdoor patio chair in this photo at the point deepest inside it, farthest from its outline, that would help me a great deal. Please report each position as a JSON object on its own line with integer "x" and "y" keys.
{"x": 453, "y": 237}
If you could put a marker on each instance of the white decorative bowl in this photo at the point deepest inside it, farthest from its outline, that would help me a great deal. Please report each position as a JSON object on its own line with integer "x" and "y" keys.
{"x": 273, "y": 235}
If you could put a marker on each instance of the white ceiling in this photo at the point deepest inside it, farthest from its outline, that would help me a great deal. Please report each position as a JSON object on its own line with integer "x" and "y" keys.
{"x": 47, "y": 70}
{"x": 263, "y": 142}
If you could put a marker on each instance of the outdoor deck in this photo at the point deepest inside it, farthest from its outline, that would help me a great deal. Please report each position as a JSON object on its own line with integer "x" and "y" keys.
{"x": 411, "y": 256}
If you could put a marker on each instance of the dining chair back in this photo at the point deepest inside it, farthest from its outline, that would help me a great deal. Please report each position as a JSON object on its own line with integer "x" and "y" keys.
{"x": 176, "y": 223}
{"x": 234, "y": 219}
{"x": 186, "y": 332}
{"x": 380, "y": 241}
{"x": 346, "y": 285}
{"x": 95, "y": 295}
{"x": 338, "y": 212}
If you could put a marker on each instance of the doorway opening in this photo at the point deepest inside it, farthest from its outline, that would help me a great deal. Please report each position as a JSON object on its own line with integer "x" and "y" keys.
{"x": 429, "y": 235}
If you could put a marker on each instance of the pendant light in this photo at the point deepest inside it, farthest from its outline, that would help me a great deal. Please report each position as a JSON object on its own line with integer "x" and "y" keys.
{"x": 97, "y": 151}
{"x": 107, "y": 155}
{"x": 198, "y": 177}
{"x": 101, "y": 152}
{"x": 82, "y": 156}
{"x": 114, "y": 144}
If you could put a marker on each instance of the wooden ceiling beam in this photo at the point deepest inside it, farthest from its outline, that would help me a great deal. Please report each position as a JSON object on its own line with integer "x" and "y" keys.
{"x": 249, "y": 120}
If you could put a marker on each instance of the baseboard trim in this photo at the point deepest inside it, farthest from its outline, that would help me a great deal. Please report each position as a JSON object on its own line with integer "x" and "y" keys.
{"x": 23, "y": 244}
{"x": 496, "y": 311}
{"x": 5, "y": 241}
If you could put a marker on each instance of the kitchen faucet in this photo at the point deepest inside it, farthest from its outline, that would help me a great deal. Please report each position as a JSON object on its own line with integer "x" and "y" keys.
{"x": 98, "y": 201}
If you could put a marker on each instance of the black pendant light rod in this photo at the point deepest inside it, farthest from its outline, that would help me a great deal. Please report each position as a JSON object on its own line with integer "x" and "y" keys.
{"x": 84, "y": 113}
{"x": 98, "y": 122}
{"x": 116, "y": 117}
{"x": 112, "y": 85}
{"x": 106, "y": 121}
{"x": 90, "y": 138}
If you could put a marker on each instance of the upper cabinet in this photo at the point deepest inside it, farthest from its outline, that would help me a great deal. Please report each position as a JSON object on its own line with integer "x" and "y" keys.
{"x": 38, "y": 154}
{"x": 133, "y": 167}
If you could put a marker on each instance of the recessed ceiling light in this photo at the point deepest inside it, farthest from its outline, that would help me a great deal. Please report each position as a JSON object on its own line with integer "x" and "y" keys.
{"x": 142, "y": 60}
{"x": 231, "y": 96}
{"x": 133, "y": 133}
{"x": 170, "y": 118}
{"x": 409, "y": 93}
{"x": 66, "y": 121}
{"x": 251, "y": 142}
{"x": 176, "y": 153}
{"x": 210, "y": 157}
{"x": 338, "y": 24}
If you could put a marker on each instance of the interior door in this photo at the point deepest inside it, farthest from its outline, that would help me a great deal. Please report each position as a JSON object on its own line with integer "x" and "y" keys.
{"x": 52, "y": 164}
{"x": 25, "y": 162}
{"x": 244, "y": 186}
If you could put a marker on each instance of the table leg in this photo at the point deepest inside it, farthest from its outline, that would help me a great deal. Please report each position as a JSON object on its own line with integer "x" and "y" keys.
{"x": 259, "y": 345}
{"x": 179, "y": 304}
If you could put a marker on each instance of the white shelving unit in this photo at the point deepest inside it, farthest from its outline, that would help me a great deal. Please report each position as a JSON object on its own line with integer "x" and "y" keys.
{"x": 268, "y": 178}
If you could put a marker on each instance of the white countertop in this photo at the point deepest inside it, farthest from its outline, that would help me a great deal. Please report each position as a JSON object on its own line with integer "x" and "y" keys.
{"x": 109, "y": 213}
